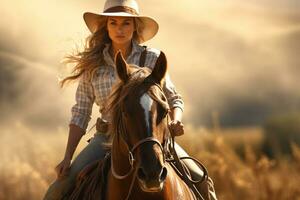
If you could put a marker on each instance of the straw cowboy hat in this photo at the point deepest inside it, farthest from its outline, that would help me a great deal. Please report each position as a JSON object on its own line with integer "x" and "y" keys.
{"x": 122, "y": 8}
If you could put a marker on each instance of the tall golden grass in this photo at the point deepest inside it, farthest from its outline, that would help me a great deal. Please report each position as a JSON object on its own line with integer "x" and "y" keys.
{"x": 233, "y": 158}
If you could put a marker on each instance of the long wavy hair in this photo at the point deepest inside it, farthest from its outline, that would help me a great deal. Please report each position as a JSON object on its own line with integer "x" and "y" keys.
{"x": 88, "y": 60}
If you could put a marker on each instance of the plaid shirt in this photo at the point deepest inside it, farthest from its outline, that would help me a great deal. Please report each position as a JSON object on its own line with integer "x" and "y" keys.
{"x": 98, "y": 89}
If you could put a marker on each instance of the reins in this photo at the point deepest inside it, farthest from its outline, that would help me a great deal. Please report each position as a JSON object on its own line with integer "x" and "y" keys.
{"x": 182, "y": 170}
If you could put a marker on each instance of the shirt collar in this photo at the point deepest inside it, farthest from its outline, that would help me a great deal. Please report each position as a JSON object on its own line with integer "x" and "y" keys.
{"x": 136, "y": 48}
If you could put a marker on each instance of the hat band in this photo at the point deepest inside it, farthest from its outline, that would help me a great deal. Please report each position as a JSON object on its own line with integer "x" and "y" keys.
{"x": 121, "y": 9}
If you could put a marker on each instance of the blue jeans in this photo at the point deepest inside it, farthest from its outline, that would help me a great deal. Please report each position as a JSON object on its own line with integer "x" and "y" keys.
{"x": 92, "y": 152}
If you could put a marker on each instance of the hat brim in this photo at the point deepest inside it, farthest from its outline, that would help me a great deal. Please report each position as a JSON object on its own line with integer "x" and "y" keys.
{"x": 150, "y": 25}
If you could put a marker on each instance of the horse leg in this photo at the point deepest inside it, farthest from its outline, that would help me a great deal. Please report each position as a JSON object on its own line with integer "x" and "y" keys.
{"x": 206, "y": 187}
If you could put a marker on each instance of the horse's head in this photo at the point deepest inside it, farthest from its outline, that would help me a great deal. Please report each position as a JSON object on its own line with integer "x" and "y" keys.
{"x": 139, "y": 117}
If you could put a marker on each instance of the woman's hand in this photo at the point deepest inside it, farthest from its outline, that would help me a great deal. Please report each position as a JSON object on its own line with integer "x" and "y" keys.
{"x": 176, "y": 128}
{"x": 75, "y": 134}
{"x": 63, "y": 168}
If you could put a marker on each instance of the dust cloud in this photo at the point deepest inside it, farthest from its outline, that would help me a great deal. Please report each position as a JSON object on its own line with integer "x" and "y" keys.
{"x": 236, "y": 58}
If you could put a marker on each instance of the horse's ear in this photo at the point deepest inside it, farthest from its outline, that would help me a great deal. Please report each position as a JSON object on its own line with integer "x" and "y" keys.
{"x": 122, "y": 67}
{"x": 160, "y": 68}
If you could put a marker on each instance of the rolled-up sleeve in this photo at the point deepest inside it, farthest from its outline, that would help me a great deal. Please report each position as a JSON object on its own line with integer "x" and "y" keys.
{"x": 174, "y": 98}
{"x": 81, "y": 111}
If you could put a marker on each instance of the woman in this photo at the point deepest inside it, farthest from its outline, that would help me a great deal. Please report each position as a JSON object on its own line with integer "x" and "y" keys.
{"x": 119, "y": 27}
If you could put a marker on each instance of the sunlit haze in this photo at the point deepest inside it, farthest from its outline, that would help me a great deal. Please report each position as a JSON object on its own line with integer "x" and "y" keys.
{"x": 236, "y": 58}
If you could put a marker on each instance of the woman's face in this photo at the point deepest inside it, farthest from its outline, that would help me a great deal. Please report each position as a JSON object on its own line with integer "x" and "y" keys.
{"x": 120, "y": 29}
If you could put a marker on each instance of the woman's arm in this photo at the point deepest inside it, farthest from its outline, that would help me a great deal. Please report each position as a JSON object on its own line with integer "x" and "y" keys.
{"x": 176, "y": 104}
{"x": 176, "y": 114}
{"x": 81, "y": 114}
{"x": 75, "y": 134}
{"x": 176, "y": 126}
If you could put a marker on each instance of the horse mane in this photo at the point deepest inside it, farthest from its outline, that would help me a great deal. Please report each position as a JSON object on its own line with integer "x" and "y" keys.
{"x": 121, "y": 90}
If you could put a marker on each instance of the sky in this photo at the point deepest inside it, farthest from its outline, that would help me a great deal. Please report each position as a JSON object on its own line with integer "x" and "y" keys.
{"x": 232, "y": 57}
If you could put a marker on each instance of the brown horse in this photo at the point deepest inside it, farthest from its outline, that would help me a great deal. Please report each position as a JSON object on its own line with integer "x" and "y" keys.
{"x": 139, "y": 111}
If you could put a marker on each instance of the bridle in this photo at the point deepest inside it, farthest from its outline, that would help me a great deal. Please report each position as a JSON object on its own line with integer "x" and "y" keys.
{"x": 168, "y": 152}
{"x": 131, "y": 151}
{"x": 131, "y": 156}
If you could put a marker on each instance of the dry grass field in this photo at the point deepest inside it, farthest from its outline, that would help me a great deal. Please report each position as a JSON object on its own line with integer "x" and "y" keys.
{"x": 232, "y": 156}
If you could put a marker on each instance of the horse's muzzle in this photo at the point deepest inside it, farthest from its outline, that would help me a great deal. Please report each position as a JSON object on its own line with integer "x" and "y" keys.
{"x": 152, "y": 182}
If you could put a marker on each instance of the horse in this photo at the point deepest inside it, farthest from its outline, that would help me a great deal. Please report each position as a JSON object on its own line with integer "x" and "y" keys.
{"x": 140, "y": 131}
{"x": 138, "y": 165}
